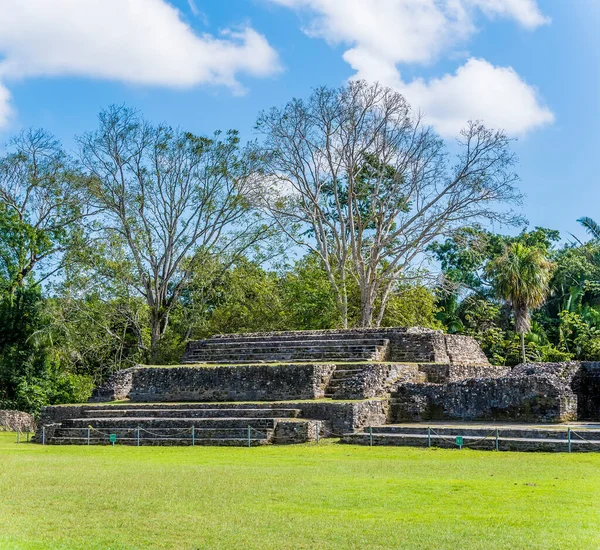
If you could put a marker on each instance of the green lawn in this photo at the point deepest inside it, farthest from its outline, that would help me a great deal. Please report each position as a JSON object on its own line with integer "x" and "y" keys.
{"x": 328, "y": 496}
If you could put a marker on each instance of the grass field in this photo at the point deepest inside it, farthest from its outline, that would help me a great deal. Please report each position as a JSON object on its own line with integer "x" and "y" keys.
{"x": 328, "y": 496}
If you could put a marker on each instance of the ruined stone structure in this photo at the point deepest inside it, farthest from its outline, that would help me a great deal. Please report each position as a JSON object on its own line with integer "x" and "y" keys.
{"x": 16, "y": 421}
{"x": 290, "y": 387}
{"x": 410, "y": 345}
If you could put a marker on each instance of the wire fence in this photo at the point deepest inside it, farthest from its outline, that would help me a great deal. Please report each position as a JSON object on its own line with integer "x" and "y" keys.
{"x": 193, "y": 435}
{"x": 465, "y": 441}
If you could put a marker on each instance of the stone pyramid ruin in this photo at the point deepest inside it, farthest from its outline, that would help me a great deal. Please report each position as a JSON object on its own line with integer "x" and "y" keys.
{"x": 295, "y": 387}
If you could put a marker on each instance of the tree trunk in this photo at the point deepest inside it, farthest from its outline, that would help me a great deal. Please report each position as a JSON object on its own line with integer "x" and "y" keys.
{"x": 523, "y": 347}
{"x": 158, "y": 322}
{"x": 366, "y": 313}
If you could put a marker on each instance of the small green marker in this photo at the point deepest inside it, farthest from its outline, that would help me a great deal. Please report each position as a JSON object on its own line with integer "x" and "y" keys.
{"x": 113, "y": 439}
{"x": 459, "y": 441}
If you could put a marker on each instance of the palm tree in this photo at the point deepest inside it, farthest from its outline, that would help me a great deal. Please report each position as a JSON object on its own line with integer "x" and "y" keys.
{"x": 592, "y": 227}
{"x": 521, "y": 277}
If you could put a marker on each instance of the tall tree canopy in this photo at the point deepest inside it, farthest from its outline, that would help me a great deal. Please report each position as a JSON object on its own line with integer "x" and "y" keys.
{"x": 169, "y": 200}
{"x": 41, "y": 208}
{"x": 353, "y": 176}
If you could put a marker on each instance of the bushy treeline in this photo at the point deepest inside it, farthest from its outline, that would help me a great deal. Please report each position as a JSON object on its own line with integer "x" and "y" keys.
{"x": 144, "y": 237}
{"x": 566, "y": 323}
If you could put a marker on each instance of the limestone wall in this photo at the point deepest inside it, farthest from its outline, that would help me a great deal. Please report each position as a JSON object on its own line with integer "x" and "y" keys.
{"x": 437, "y": 373}
{"x": 530, "y": 393}
{"x": 16, "y": 421}
{"x": 116, "y": 387}
{"x": 231, "y": 383}
{"x": 376, "y": 380}
{"x": 464, "y": 350}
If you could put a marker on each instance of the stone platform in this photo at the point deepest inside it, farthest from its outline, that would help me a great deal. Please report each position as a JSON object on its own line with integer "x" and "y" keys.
{"x": 288, "y": 387}
{"x": 568, "y": 437}
{"x": 412, "y": 345}
{"x": 206, "y": 423}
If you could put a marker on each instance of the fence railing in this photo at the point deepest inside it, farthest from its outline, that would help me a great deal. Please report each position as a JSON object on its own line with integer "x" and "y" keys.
{"x": 192, "y": 434}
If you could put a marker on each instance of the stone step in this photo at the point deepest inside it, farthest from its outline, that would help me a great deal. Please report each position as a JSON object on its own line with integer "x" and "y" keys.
{"x": 171, "y": 412}
{"x": 558, "y": 433}
{"x": 275, "y": 359}
{"x": 276, "y": 344}
{"x": 474, "y": 442}
{"x": 349, "y": 353}
{"x": 338, "y": 348}
{"x": 231, "y": 442}
{"x": 163, "y": 433}
{"x": 161, "y": 422}
{"x": 234, "y": 406}
{"x": 342, "y": 334}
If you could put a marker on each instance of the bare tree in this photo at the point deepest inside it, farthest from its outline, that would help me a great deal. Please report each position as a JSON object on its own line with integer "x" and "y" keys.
{"x": 171, "y": 199}
{"x": 353, "y": 176}
{"x": 40, "y": 208}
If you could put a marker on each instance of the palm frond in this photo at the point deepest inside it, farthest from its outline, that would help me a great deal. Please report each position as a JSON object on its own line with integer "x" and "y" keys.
{"x": 591, "y": 226}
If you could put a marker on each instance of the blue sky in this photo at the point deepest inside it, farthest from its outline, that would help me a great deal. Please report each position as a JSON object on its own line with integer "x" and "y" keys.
{"x": 529, "y": 67}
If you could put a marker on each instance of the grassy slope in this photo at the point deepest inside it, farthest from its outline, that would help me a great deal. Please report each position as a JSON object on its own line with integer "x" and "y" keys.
{"x": 330, "y": 496}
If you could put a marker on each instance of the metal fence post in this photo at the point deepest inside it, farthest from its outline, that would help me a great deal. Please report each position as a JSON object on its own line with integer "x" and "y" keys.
{"x": 496, "y": 438}
{"x": 27, "y": 435}
{"x": 43, "y": 435}
{"x": 317, "y": 426}
{"x": 193, "y": 435}
{"x": 89, "y": 433}
{"x": 138, "y": 436}
{"x": 569, "y": 438}
{"x": 428, "y": 436}
{"x": 371, "y": 436}
{"x": 249, "y": 436}
{"x": 19, "y": 435}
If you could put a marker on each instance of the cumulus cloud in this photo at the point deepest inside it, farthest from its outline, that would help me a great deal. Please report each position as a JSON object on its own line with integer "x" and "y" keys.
{"x": 385, "y": 34}
{"x": 135, "y": 41}
{"x": 478, "y": 91}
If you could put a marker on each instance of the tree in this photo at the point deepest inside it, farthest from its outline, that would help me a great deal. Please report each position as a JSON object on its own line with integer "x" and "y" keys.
{"x": 592, "y": 227}
{"x": 169, "y": 200}
{"x": 351, "y": 175}
{"x": 41, "y": 208}
{"x": 521, "y": 276}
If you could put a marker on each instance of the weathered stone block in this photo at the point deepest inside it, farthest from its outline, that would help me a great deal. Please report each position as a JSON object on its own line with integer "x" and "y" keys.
{"x": 530, "y": 393}
{"x": 15, "y": 421}
{"x": 231, "y": 383}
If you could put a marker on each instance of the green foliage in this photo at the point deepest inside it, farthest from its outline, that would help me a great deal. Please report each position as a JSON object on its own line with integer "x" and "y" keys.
{"x": 521, "y": 276}
{"x": 412, "y": 306}
{"x": 248, "y": 300}
{"x": 471, "y": 262}
{"x": 580, "y": 336}
{"x": 56, "y": 387}
{"x": 308, "y": 301}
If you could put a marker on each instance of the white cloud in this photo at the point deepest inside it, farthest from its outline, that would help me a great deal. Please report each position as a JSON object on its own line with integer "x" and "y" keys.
{"x": 134, "y": 41}
{"x": 526, "y": 12}
{"x": 405, "y": 31}
{"x": 193, "y": 8}
{"x": 5, "y": 109}
{"x": 478, "y": 91}
{"x": 383, "y": 34}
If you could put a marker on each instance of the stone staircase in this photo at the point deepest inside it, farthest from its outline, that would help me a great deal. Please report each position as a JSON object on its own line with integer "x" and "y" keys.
{"x": 502, "y": 437}
{"x": 190, "y": 424}
{"x": 289, "y": 347}
{"x": 340, "y": 378}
